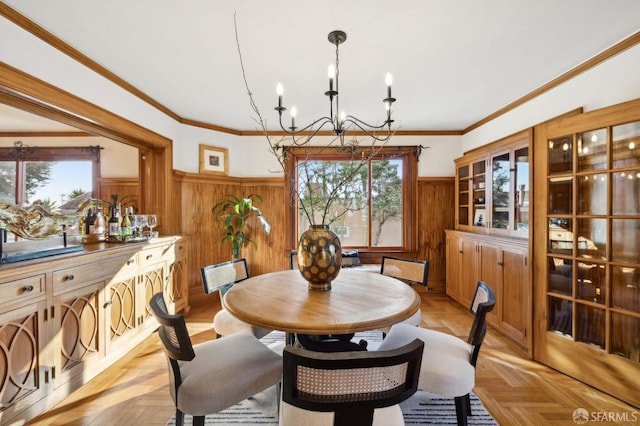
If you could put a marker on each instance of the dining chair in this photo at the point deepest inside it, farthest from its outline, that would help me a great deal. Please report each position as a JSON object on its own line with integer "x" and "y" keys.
{"x": 348, "y": 388}
{"x": 221, "y": 277}
{"x": 449, "y": 363}
{"x": 410, "y": 271}
{"x": 212, "y": 376}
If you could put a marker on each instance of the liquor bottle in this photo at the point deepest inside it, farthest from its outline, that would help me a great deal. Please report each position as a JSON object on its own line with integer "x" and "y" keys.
{"x": 100, "y": 225}
{"x": 89, "y": 222}
{"x": 114, "y": 225}
{"x": 133, "y": 226}
{"x": 81, "y": 226}
{"x": 125, "y": 226}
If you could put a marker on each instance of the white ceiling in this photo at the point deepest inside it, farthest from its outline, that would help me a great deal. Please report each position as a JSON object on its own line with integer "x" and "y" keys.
{"x": 454, "y": 62}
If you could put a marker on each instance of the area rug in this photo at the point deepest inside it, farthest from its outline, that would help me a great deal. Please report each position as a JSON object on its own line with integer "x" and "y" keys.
{"x": 421, "y": 409}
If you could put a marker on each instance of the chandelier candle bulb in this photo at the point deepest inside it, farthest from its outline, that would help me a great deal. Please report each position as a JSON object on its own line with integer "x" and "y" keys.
{"x": 388, "y": 80}
{"x": 332, "y": 74}
{"x": 279, "y": 91}
{"x": 294, "y": 112}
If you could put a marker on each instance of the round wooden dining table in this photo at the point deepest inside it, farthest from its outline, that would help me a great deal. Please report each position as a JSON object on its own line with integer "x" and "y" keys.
{"x": 359, "y": 300}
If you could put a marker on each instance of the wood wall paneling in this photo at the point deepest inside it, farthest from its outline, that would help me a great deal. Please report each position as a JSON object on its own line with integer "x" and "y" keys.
{"x": 436, "y": 203}
{"x": 199, "y": 193}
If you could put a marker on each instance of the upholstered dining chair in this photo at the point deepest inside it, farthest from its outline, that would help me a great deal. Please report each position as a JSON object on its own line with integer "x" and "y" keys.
{"x": 449, "y": 363}
{"x": 411, "y": 272}
{"x": 209, "y": 377}
{"x": 221, "y": 277}
{"x": 348, "y": 388}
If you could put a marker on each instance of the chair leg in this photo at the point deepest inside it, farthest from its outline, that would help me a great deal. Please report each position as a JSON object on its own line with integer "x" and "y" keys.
{"x": 278, "y": 397}
{"x": 461, "y": 410}
{"x": 467, "y": 399}
{"x": 179, "y": 418}
{"x": 198, "y": 420}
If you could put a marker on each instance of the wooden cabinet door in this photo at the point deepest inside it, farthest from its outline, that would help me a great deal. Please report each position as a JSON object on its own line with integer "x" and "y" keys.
{"x": 490, "y": 271}
{"x": 152, "y": 281}
{"x": 121, "y": 307}
{"x": 454, "y": 265}
{"x": 176, "y": 288}
{"x": 79, "y": 328}
{"x": 515, "y": 306}
{"x": 468, "y": 270}
{"x": 24, "y": 375}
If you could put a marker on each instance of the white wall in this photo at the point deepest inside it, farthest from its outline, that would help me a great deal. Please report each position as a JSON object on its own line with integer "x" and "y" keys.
{"x": 251, "y": 156}
{"x": 614, "y": 81}
{"x": 611, "y": 82}
{"x": 117, "y": 160}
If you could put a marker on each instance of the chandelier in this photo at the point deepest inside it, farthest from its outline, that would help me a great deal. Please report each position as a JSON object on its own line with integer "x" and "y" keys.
{"x": 342, "y": 122}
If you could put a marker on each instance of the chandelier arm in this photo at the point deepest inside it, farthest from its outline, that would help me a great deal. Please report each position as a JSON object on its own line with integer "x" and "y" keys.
{"x": 361, "y": 124}
{"x": 294, "y": 131}
{"x": 368, "y": 131}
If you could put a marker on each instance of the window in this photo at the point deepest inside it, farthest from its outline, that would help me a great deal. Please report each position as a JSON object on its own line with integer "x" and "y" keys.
{"x": 373, "y": 210}
{"x": 57, "y": 177}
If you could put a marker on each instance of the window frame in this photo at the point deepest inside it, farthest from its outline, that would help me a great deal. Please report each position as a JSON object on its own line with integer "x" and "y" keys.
{"x": 409, "y": 195}
{"x": 34, "y": 153}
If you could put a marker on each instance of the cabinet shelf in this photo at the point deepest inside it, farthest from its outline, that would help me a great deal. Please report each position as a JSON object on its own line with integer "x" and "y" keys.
{"x": 499, "y": 182}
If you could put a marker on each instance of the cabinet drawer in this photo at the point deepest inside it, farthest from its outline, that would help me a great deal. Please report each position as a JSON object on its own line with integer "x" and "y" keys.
{"x": 129, "y": 267}
{"x": 152, "y": 255}
{"x": 25, "y": 288}
{"x": 90, "y": 272}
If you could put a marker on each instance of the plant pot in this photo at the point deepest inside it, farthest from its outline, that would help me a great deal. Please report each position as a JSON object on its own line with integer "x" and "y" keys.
{"x": 319, "y": 256}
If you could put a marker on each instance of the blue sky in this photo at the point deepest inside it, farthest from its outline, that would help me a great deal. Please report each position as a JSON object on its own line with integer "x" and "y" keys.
{"x": 65, "y": 177}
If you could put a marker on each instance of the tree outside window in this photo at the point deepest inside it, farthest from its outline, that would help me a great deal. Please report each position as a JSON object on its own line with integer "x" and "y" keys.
{"x": 371, "y": 206}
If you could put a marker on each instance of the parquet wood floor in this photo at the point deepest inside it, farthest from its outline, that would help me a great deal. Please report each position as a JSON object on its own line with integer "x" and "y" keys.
{"x": 515, "y": 390}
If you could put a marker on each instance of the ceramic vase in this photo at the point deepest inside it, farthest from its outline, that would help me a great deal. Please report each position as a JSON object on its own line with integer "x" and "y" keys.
{"x": 319, "y": 256}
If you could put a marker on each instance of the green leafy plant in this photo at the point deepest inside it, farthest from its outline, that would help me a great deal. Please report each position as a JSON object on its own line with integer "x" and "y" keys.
{"x": 234, "y": 212}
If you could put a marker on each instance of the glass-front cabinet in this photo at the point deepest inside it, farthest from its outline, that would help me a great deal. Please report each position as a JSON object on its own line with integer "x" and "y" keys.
{"x": 592, "y": 279}
{"x": 494, "y": 188}
{"x": 594, "y": 241}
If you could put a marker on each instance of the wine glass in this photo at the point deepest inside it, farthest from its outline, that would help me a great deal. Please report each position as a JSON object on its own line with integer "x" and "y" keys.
{"x": 141, "y": 222}
{"x": 152, "y": 221}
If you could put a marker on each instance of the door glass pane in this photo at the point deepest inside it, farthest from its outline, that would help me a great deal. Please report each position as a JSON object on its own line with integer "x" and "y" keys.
{"x": 8, "y": 182}
{"x": 592, "y": 150}
{"x": 386, "y": 203}
{"x": 560, "y": 272}
{"x": 500, "y": 191}
{"x": 624, "y": 336}
{"x": 561, "y": 236}
{"x": 592, "y": 238}
{"x": 560, "y": 155}
{"x": 479, "y": 194}
{"x": 591, "y": 325}
{"x": 560, "y": 195}
{"x": 626, "y": 145}
{"x": 463, "y": 195}
{"x": 560, "y": 313}
{"x": 626, "y": 192}
{"x": 625, "y": 244}
{"x": 626, "y": 288}
{"x": 591, "y": 282}
{"x": 592, "y": 194}
{"x": 521, "y": 186}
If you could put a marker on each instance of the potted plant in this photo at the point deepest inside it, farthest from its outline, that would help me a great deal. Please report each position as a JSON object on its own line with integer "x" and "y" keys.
{"x": 234, "y": 212}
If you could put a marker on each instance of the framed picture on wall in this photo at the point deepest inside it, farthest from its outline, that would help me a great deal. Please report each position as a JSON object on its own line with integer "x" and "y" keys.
{"x": 479, "y": 218}
{"x": 214, "y": 160}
